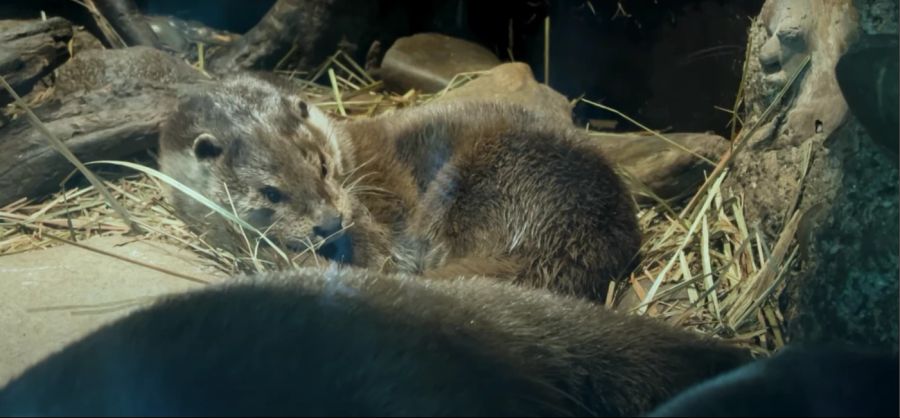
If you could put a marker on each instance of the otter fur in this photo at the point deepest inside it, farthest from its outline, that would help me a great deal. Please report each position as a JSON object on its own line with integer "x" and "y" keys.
{"x": 799, "y": 381}
{"x": 347, "y": 341}
{"x": 466, "y": 187}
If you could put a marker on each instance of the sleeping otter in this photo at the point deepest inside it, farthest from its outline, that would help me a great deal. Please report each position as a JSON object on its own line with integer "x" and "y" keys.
{"x": 352, "y": 342}
{"x": 444, "y": 189}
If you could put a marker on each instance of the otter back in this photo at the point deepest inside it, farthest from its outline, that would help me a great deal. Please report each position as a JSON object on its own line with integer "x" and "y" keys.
{"x": 498, "y": 190}
{"x": 348, "y": 342}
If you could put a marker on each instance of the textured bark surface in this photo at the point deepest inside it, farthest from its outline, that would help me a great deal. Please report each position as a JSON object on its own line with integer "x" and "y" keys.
{"x": 127, "y": 21}
{"x": 29, "y": 49}
{"x": 106, "y": 104}
{"x": 813, "y": 156}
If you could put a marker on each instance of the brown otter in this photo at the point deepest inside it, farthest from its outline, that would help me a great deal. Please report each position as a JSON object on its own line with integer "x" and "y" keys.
{"x": 346, "y": 341}
{"x": 444, "y": 189}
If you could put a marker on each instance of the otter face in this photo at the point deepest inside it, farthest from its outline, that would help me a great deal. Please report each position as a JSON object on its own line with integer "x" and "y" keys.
{"x": 253, "y": 146}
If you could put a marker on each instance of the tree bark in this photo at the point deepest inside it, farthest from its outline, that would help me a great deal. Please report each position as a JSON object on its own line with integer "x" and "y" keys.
{"x": 128, "y": 22}
{"x": 30, "y": 50}
{"x": 302, "y": 32}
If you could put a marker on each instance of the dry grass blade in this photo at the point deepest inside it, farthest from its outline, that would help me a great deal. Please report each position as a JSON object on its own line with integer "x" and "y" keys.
{"x": 547, "y": 50}
{"x": 199, "y": 198}
{"x": 707, "y": 268}
{"x": 60, "y": 147}
{"x": 762, "y": 283}
{"x": 337, "y": 92}
{"x": 658, "y": 281}
{"x": 103, "y": 24}
{"x": 743, "y": 137}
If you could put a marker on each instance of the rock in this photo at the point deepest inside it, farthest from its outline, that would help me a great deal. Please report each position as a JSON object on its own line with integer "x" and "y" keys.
{"x": 67, "y": 276}
{"x": 665, "y": 169}
{"x": 106, "y": 104}
{"x": 845, "y": 286}
{"x": 514, "y": 82}
{"x": 428, "y": 61}
{"x": 668, "y": 171}
{"x": 31, "y": 49}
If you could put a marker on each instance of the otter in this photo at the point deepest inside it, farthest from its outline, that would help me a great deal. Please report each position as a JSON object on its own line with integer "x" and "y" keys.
{"x": 348, "y": 341}
{"x": 801, "y": 381}
{"x": 467, "y": 187}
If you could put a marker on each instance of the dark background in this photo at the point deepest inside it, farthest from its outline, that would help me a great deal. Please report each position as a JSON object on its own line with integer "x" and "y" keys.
{"x": 666, "y": 63}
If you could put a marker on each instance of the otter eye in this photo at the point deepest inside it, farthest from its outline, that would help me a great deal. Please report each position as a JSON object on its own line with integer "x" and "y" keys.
{"x": 272, "y": 194}
{"x": 324, "y": 165}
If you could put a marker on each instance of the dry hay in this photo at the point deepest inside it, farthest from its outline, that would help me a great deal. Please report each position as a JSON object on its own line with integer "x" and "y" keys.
{"x": 705, "y": 268}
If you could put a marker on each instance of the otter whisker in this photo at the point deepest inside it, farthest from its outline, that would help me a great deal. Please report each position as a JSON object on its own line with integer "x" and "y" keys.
{"x": 309, "y": 246}
{"x": 312, "y": 246}
{"x": 355, "y": 169}
{"x": 258, "y": 241}
{"x": 355, "y": 182}
{"x": 370, "y": 189}
{"x": 372, "y": 192}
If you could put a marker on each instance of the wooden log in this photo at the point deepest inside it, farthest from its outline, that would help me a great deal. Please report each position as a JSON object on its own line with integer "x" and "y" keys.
{"x": 31, "y": 49}
{"x": 128, "y": 22}
{"x": 303, "y": 31}
{"x": 106, "y": 104}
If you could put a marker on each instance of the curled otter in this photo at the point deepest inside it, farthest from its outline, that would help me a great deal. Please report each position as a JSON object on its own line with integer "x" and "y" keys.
{"x": 486, "y": 188}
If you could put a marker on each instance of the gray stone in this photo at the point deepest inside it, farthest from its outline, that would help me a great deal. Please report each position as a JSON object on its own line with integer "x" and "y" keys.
{"x": 665, "y": 169}
{"x": 514, "y": 82}
{"x": 428, "y": 61}
{"x": 47, "y": 293}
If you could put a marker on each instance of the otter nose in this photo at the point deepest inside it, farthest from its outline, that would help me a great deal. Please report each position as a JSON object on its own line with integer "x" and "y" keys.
{"x": 329, "y": 225}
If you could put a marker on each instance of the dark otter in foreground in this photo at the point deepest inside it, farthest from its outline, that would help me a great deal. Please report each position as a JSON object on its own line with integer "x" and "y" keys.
{"x": 798, "y": 381}
{"x": 351, "y": 342}
{"x": 443, "y": 189}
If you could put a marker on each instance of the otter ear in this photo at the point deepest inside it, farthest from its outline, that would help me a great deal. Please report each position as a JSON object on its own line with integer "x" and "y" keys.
{"x": 299, "y": 106}
{"x": 304, "y": 109}
{"x": 207, "y": 146}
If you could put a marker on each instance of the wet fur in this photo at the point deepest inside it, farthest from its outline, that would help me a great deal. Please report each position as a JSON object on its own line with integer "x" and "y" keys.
{"x": 466, "y": 187}
{"x": 352, "y": 342}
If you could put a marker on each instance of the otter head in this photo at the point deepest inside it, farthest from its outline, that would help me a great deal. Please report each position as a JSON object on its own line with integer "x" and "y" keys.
{"x": 254, "y": 146}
